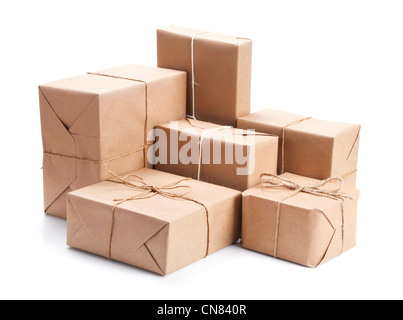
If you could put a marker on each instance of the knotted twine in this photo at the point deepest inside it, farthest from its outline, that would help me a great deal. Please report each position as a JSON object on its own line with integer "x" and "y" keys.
{"x": 271, "y": 181}
{"x": 150, "y": 191}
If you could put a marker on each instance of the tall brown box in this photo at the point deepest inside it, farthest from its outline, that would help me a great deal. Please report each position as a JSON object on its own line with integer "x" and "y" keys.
{"x": 98, "y": 122}
{"x": 312, "y": 148}
{"x": 159, "y": 232}
{"x": 222, "y": 71}
{"x": 219, "y": 166}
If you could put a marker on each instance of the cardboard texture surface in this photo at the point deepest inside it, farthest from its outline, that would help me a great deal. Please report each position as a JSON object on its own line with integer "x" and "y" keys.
{"x": 222, "y": 66}
{"x": 158, "y": 234}
{"x": 310, "y": 229}
{"x": 93, "y": 123}
{"x": 261, "y": 154}
{"x": 313, "y": 148}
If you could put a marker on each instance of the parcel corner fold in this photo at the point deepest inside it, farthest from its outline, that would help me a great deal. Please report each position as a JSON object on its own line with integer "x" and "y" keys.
{"x": 159, "y": 233}
{"x": 312, "y": 229}
{"x": 99, "y": 121}
{"x": 222, "y": 67}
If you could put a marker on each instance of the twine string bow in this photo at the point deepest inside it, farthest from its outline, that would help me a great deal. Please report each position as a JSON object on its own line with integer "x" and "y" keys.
{"x": 169, "y": 191}
{"x": 271, "y": 181}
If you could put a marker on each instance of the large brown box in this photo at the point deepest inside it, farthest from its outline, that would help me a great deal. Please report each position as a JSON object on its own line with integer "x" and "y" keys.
{"x": 157, "y": 232}
{"x": 222, "y": 71}
{"x": 312, "y": 229}
{"x": 260, "y": 152}
{"x": 312, "y": 148}
{"x": 98, "y": 122}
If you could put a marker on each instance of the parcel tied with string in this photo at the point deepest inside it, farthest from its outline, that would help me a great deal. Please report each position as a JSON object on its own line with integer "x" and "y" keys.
{"x": 309, "y": 147}
{"x": 99, "y": 121}
{"x": 221, "y": 155}
{"x": 300, "y": 219}
{"x": 153, "y": 220}
{"x": 219, "y": 71}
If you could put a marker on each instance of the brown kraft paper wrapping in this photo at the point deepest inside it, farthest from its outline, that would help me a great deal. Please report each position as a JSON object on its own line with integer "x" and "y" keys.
{"x": 157, "y": 232}
{"x": 310, "y": 229}
{"x": 312, "y": 148}
{"x": 222, "y": 71}
{"x": 261, "y": 154}
{"x": 98, "y": 122}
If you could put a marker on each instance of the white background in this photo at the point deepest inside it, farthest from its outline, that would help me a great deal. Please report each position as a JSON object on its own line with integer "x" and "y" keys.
{"x": 336, "y": 60}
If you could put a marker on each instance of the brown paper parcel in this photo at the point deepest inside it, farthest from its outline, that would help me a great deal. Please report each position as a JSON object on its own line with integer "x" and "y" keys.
{"x": 158, "y": 233}
{"x": 220, "y": 74}
{"x": 312, "y": 148}
{"x": 98, "y": 122}
{"x": 310, "y": 229}
{"x": 261, "y": 153}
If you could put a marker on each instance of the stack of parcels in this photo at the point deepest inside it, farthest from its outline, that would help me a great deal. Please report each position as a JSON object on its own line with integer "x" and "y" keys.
{"x": 295, "y": 216}
{"x": 148, "y": 164}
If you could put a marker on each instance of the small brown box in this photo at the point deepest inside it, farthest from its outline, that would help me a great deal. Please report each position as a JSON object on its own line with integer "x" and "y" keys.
{"x": 259, "y": 151}
{"x": 312, "y": 148}
{"x": 311, "y": 229}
